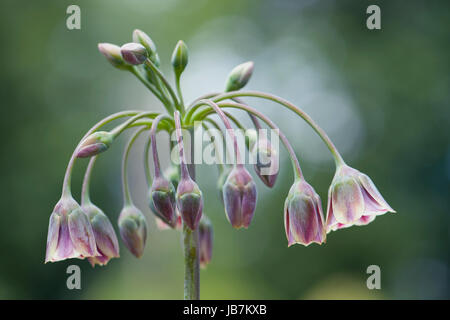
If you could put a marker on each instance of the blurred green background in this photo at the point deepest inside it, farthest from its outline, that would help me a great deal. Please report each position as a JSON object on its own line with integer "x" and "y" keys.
{"x": 383, "y": 97}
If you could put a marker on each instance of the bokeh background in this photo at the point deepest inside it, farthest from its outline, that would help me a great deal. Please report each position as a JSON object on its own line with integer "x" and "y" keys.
{"x": 383, "y": 97}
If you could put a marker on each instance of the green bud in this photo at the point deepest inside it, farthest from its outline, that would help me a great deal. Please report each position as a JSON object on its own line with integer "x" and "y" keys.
{"x": 94, "y": 144}
{"x": 239, "y": 76}
{"x": 141, "y": 37}
{"x": 179, "y": 58}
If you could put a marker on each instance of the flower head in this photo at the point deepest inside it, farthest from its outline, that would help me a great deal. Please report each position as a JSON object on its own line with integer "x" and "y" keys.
{"x": 189, "y": 202}
{"x": 353, "y": 199}
{"x": 239, "y": 195}
{"x": 94, "y": 144}
{"x": 133, "y": 229}
{"x": 303, "y": 218}
{"x": 163, "y": 200}
{"x": 105, "y": 237}
{"x": 113, "y": 55}
{"x": 70, "y": 234}
{"x": 134, "y": 53}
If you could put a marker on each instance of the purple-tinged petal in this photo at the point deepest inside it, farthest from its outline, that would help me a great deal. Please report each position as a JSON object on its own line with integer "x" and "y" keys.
{"x": 373, "y": 193}
{"x": 81, "y": 233}
{"x": 348, "y": 201}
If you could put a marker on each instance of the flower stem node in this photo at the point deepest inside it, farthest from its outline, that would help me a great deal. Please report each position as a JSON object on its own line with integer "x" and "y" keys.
{"x": 113, "y": 55}
{"x": 239, "y": 76}
{"x": 205, "y": 238}
{"x": 105, "y": 237}
{"x": 189, "y": 202}
{"x": 303, "y": 217}
{"x": 134, "y": 53}
{"x": 133, "y": 229}
{"x": 353, "y": 199}
{"x": 239, "y": 194}
{"x": 179, "y": 58}
{"x": 163, "y": 200}
{"x": 70, "y": 233}
{"x": 94, "y": 144}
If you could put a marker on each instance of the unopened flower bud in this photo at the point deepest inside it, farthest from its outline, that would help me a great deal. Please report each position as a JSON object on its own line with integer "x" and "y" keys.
{"x": 353, "y": 199}
{"x": 105, "y": 237}
{"x": 205, "y": 240}
{"x": 303, "y": 218}
{"x": 163, "y": 197}
{"x": 133, "y": 229}
{"x": 189, "y": 202}
{"x": 70, "y": 234}
{"x": 266, "y": 166}
{"x": 179, "y": 58}
{"x": 142, "y": 38}
{"x": 94, "y": 144}
{"x": 134, "y": 53}
{"x": 113, "y": 55}
{"x": 239, "y": 194}
{"x": 239, "y": 76}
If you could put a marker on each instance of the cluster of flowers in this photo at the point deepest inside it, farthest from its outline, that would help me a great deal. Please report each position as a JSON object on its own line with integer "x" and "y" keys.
{"x": 84, "y": 231}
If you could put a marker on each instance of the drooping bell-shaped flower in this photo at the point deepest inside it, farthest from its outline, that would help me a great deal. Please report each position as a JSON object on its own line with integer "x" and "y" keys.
{"x": 105, "y": 237}
{"x": 266, "y": 166}
{"x": 134, "y": 53}
{"x": 221, "y": 180}
{"x": 94, "y": 144}
{"x": 133, "y": 229}
{"x": 205, "y": 241}
{"x": 189, "y": 202}
{"x": 353, "y": 199}
{"x": 303, "y": 217}
{"x": 239, "y": 195}
{"x": 70, "y": 233}
{"x": 163, "y": 199}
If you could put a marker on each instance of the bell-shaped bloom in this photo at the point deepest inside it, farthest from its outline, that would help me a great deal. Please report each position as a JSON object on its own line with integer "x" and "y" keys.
{"x": 205, "y": 241}
{"x": 133, "y": 229}
{"x": 105, "y": 237}
{"x": 70, "y": 233}
{"x": 222, "y": 179}
{"x": 303, "y": 217}
{"x": 162, "y": 195}
{"x": 353, "y": 199}
{"x": 266, "y": 166}
{"x": 189, "y": 202}
{"x": 94, "y": 144}
{"x": 239, "y": 195}
{"x": 134, "y": 53}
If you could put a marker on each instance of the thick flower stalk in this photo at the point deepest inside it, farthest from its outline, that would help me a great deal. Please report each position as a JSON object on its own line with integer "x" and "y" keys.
{"x": 174, "y": 197}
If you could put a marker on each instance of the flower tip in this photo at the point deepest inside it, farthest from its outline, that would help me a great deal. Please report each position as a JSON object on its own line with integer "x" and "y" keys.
{"x": 134, "y": 53}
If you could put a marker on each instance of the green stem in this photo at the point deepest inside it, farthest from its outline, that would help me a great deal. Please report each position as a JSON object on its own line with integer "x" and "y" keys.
{"x": 294, "y": 159}
{"x": 180, "y": 93}
{"x": 153, "y": 142}
{"x": 85, "y": 197}
{"x": 153, "y": 89}
{"x": 166, "y": 83}
{"x": 336, "y": 155}
{"x": 66, "y": 189}
{"x": 126, "y": 188}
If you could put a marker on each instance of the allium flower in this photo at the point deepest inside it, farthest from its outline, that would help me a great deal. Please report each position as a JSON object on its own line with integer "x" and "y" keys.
{"x": 353, "y": 199}
{"x": 70, "y": 234}
{"x": 163, "y": 200}
{"x": 239, "y": 195}
{"x": 205, "y": 241}
{"x": 303, "y": 217}
{"x": 133, "y": 229}
{"x": 189, "y": 202}
{"x": 105, "y": 237}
